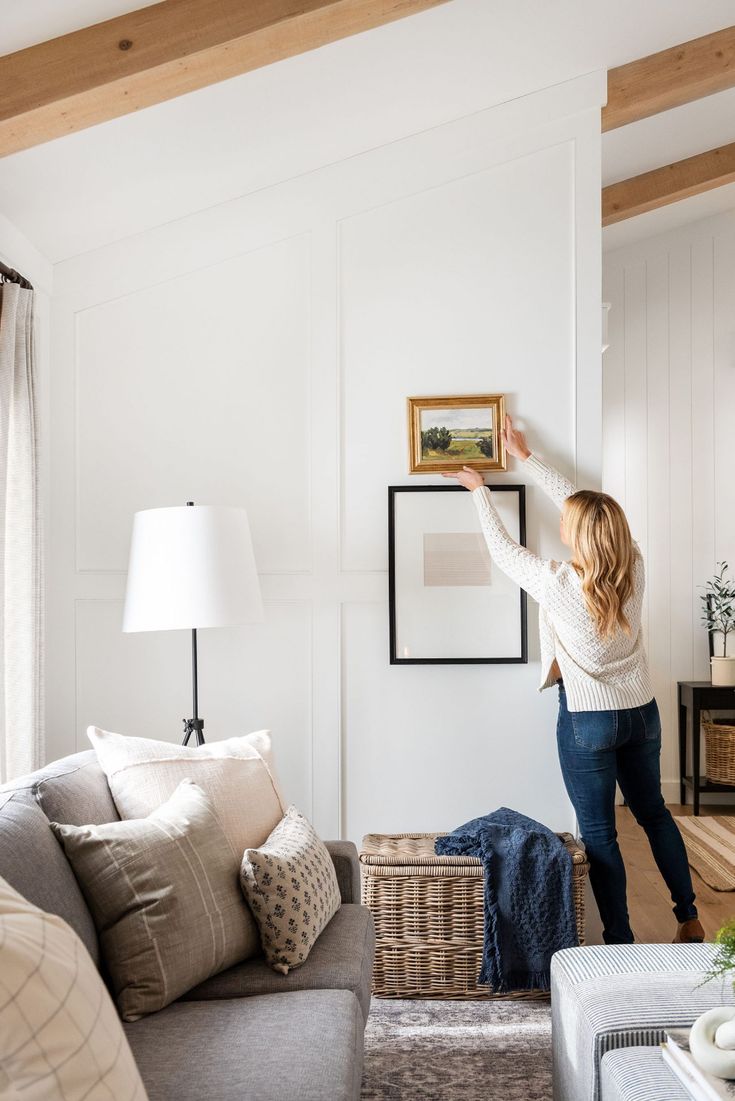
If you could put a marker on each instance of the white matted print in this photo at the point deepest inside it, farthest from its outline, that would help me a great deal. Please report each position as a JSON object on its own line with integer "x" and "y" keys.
{"x": 448, "y": 602}
{"x": 456, "y": 558}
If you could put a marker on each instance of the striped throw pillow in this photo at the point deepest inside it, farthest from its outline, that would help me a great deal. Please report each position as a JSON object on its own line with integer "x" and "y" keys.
{"x": 165, "y": 897}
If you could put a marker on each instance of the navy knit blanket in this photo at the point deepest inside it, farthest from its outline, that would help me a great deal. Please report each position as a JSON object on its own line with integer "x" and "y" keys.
{"x": 529, "y": 909}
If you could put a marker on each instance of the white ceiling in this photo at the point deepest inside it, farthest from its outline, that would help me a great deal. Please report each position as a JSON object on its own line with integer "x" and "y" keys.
{"x": 37, "y": 20}
{"x": 662, "y": 139}
{"x": 121, "y": 177}
{"x": 670, "y": 136}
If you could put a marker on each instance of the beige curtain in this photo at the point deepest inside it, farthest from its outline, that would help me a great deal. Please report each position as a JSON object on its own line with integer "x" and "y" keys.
{"x": 21, "y": 603}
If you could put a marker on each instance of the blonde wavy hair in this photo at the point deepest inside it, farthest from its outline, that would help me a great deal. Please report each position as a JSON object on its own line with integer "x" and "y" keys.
{"x": 604, "y": 557}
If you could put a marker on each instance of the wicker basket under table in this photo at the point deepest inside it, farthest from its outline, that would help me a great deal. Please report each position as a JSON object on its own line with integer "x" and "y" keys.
{"x": 719, "y": 739}
{"x": 429, "y": 916}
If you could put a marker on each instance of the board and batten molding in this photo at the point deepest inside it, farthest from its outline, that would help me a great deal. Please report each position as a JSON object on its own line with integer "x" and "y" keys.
{"x": 668, "y": 397}
{"x": 326, "y": 300}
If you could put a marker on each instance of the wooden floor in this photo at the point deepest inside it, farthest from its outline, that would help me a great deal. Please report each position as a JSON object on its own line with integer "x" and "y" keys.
{"x": 648, "y": 899}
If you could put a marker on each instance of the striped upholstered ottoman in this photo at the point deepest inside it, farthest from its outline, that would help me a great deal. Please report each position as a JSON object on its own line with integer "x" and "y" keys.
{"x": 638, "y": 1074}
{"x": 621, "y": 996}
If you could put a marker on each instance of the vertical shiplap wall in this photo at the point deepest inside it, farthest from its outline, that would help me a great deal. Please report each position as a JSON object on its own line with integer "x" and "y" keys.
{"x": 668, "y": 441}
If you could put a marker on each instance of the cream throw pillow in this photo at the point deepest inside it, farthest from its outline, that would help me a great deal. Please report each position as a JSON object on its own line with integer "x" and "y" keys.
{"x": 60, "y": 1035}
{"x": 291, "y": 886}
{"x": 237, "y": 775}
{"x": 165, "y": 897}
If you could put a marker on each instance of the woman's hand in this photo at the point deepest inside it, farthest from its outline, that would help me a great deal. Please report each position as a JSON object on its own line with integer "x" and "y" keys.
{"x": 515, "y": 441}
{"x": 469, "y": 478}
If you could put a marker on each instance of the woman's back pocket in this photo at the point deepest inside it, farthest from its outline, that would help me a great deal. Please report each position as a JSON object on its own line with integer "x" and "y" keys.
{"x": 595, "y": 729}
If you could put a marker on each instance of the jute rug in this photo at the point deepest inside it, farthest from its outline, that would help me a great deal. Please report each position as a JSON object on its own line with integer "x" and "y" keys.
{"x": 710, "y": 846}
{"x": 457, "y": 1051}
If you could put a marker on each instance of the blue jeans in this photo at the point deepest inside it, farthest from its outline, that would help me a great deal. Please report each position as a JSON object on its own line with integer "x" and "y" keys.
{"x": 596, "y": 749}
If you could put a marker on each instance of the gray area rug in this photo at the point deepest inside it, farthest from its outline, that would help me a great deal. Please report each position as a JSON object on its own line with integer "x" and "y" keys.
{"x": 458, "y": 1051}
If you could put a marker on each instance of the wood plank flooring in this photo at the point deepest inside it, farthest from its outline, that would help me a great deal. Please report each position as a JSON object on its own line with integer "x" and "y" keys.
{"x": 648, "y": 899}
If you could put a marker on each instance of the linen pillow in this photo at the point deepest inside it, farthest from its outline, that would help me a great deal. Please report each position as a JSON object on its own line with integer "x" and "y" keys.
{"x": 291, "y": 886}
{"x": 237, "y": 775}
{"x": 164, "y": 895}
{"x": 60, "y": 1035}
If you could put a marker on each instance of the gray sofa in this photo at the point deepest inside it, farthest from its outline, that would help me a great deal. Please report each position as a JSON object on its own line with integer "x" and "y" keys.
{"x": 247, "y": 1033}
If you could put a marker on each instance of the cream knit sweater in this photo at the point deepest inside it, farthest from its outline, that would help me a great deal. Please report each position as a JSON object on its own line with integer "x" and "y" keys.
{"x": 599, "y": 674}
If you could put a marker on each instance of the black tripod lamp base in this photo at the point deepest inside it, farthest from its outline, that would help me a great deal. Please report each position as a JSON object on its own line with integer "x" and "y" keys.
{"x": 195, "y": 727}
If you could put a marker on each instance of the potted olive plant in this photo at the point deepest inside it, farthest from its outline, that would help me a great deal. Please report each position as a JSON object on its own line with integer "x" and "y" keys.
{"x": 718, "y": 616}
{"x": 723, "y": 961}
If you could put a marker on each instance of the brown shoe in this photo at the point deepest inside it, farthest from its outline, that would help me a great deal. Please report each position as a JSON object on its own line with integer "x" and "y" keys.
{"x": 689, "y": 932}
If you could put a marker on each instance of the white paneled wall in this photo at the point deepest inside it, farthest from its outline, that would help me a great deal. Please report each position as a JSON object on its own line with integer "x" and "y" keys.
{"x": 261, "y": 352}
{"x": 668, "y": 454}
{"x": 212, "y": 370}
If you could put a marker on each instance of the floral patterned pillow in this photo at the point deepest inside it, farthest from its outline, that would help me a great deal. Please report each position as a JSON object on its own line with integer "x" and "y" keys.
{"x": 291, "y": 886}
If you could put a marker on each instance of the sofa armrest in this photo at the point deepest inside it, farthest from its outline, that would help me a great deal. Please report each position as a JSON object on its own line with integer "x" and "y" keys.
{"x": 347, "y": 867}
{"x": 612, "y": 996}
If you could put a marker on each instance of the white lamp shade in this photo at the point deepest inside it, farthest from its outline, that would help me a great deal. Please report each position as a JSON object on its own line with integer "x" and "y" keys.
{"x": 191, "y": 566}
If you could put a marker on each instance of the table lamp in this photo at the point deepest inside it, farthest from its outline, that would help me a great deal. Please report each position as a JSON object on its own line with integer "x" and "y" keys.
{"x": 191, "y": 567}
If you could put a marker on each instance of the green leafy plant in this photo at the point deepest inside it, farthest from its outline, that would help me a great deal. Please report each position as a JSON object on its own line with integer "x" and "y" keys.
{"x": 723, "y": 964}
{"x": 718, "y": 604}
{"x": 486, "y": 446}
{"x": 436, "y": 439}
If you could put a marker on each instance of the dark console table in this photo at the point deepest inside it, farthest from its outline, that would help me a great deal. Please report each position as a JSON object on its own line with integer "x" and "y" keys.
{"x": 696, "y": 696}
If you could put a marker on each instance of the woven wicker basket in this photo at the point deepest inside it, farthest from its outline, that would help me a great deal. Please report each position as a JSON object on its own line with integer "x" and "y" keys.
{"x": 719, "y": 738}
{"x": 429, "y": 916}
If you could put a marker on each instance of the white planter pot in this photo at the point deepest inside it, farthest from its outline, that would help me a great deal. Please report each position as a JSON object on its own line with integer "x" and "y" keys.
{"x": 723, "y": 672}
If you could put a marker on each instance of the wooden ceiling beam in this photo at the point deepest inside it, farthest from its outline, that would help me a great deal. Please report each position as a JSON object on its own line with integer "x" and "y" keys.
{"x": 670, "y": 78}
{"x": 669, "y": 184}
{"x": 156, "y": 53}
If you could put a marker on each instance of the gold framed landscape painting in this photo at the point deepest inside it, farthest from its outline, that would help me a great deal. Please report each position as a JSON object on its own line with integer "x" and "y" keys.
{"x": 447, "y": 433}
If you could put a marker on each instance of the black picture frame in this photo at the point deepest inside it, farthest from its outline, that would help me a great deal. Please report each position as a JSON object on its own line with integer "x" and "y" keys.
{"x": 520, "y": 659}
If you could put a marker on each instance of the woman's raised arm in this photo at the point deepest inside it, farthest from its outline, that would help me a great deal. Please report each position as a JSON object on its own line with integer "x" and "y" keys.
{"x": 520, "y": 564}
{"x": 554, "y": 484}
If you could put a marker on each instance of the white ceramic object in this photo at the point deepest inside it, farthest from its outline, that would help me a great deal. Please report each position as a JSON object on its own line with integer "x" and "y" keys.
{"x": 725, "y": 1035}
{"x": 713, "y": 1057}
{"x": 723, "y": 672}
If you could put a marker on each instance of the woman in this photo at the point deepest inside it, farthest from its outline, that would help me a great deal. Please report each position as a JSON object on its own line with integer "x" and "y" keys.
{"x": 609, "y": 729}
